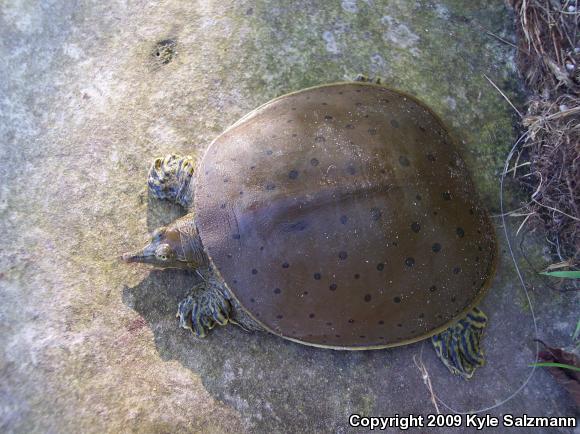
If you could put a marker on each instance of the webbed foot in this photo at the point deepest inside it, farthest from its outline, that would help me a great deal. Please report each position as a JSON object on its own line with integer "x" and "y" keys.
{"x": 458, "y": 346}
{"x": 169, "y": 178}
{"x": 202, "y": 311}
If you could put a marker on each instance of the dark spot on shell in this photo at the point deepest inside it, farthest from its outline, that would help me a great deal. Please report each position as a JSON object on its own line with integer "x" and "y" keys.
{"x": 289, "y": 121}
{"x": 261, "y": 248}
{"x": 372, "y": 131}
{"x": 457, "y": 270}
{"x": 279, "y": 316}
{"x": 252, "y": 167}
{"x": 399, "y": 325}
{"x": 311, "y": 315}
{"x": 460, "y": 232}
{"x": 351, "y": 170}
{"x": 226, "y": 180}
{"x": 367, "y": 298}
{"x": 314, "y": 162}
{"x": 349, "y": 126}
{"x": 293, "y": 174}
{"x": 431, "y": 157}
{"x": 333, "y": 286}
{"x": 253, "y": 300}
{"x": 343, "y": 219}
{"x": 376, "y": 214}
{"x": 471, "y": 211}
{"x": 394, "y": 123}
{"x": 337, "y": 336}
{"x": 409, "y": 262}
{"x": 436, "y": 247}
{"x": 357, "y": 276}
{"x": 269, "y": 152}
{"x": 324, "y": 103}
{"x": 381, "y": 322}
{"x": 254, "y": 271}
{"x": 319, "y": 139}
{"x": 328, "y": 118}
{"x": 418, "y": 197}
{"x": 415, "y": 227}
{"x": 433, "y": 288}
{"x": 362, "y": 336}
{"x": 453, "y": 299}
{"x": 329, "y": 324}
{"x": 421, "y": 315}
{"x": 277, "y": 291}
{"x": 294, "y": 227}
{"x": 236, "y": 236}
{"x": 285, "y": 265}
{"x": 342, "y": 255}
{"x": 397, "y": 299}
{"x": 241, "y": 193}
{"x": 305, "y": 293}
{"x": 223, "y": 206}
{"x": 446, "y": 195}
{"x": 380, "y": 266}
{"x": 317, "y": 276}
{"x": 404, "y": 161}
{"x": 229, "y": 255}
{"x": 351, "y": 321}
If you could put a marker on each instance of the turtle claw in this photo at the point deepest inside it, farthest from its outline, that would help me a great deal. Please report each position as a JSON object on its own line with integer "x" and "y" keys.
{"x": 202, "y": 312}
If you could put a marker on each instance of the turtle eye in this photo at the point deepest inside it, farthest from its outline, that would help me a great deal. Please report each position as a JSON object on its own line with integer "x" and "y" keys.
{"x": 164, "y": 252}
{"x": 157, "y": 233}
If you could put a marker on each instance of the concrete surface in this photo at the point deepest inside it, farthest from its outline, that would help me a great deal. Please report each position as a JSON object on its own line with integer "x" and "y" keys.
{"x": 92, "y": 345}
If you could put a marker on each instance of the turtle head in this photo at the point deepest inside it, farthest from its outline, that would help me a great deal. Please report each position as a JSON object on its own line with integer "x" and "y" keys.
{"x": 175, "y": 246}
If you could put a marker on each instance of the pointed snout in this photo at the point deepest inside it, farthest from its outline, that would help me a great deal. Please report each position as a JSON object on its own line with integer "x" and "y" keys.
{"x": 132, "y": 257}
{"x": 146, "y": 255}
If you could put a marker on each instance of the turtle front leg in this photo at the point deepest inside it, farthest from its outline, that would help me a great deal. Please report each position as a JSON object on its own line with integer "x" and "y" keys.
{"x": 170, "y": 178}
{"x": 203, "y": 309}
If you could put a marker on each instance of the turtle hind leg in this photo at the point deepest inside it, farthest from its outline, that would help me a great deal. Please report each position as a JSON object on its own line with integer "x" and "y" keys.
{"x": 203, "y": 309}
{"x": 170, "y": 177}
{"x": 366, "y": 79}
{"x": 458, "y": 347}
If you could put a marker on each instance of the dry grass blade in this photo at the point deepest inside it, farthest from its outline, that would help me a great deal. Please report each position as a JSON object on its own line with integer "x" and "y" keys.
{"x": 549, "y": 60}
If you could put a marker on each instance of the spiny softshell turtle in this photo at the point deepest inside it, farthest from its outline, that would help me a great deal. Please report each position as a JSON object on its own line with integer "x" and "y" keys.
{"x": 339, "y": 216}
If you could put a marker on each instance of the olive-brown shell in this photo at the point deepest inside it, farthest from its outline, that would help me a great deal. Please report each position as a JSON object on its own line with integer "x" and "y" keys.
{"x": 343, "y": 216}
